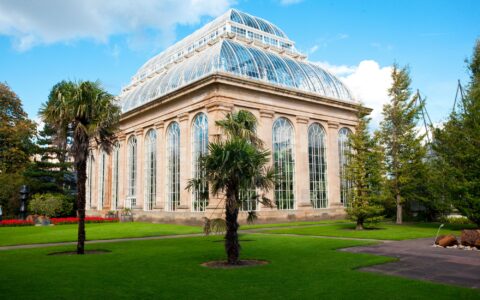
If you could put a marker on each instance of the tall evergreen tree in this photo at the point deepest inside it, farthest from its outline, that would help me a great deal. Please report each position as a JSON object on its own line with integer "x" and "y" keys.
{"x": 364, "y": 170}
{"x": 404, "y": 152}
{"x": 51, "y": 171}
{"x": 457, "y": 145}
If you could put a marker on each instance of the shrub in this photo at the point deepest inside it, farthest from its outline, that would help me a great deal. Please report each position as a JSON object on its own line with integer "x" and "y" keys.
{"x": 15, "y": 223}
{"x": 50, "y": 205}
{"x": 456, "y": 220}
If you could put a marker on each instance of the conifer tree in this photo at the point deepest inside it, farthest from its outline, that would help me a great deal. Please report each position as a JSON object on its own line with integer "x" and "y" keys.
{"x": 457, "y": 145}
{"x": 50, "y": 171}
{"x": 364, "y": 169}
{"x": 404, "y": 152}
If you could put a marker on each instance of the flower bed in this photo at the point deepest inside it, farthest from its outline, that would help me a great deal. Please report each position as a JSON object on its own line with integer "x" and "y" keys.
{"x": 73, "y": 220}
{"x": 15, "y": 223}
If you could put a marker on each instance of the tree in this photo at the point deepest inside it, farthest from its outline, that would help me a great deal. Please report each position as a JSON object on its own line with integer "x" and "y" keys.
{"x": 404, "y": 152}
{"x": 51, "y": 171}
{"x": 364, "y": 169}
{"x": 16, "y": 132}
{"x": 234, "y": 164}
{"x": 457, "y": 145}
{"x": 89, "y": 113}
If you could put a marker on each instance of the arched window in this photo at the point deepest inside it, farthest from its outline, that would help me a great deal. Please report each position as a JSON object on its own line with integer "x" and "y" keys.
{"x": 343, "y": 150}
{"x": 173, "y": 166}
{"x": 284, "y": 164}
{"x": 101, "y": 179}
{"x": 132, "y": 172}
{"x": 89, "y": 186}
{"x": 317, "y": 164}
{"x": 199, "y": 147}
{"x": 150, "y": 169}
{"x": 115, "y": 168}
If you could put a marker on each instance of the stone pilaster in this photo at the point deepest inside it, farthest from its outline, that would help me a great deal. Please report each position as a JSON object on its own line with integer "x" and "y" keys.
{"x": 161, "y": 166}
{"x": 185, "y": 161}
{"x": 301, "y": 164}
{"x": 122, "y": 171}
{"x": 139, "y": 195}
{"x": 265, "y": 134}
{"x": 216, "y": 111}
{"x": 333, "y": 165}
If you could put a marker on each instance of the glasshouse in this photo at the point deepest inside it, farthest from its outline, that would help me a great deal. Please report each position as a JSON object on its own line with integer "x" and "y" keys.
{"x": 169, "y": 109}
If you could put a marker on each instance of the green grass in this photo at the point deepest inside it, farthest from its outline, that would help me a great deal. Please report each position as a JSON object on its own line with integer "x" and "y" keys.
{"x": 300, "y": 268}
{"x": 382, "y": 231}
{"x": 297, "y": 223}
{"x": 97, "y": 231}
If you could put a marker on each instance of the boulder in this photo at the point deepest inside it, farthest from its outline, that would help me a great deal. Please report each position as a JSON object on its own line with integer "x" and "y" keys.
{"x": 446, "y": 240}
{"x": 470, "y": 237}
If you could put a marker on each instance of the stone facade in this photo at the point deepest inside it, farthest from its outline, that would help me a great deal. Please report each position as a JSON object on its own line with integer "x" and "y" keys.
{"x": 215, "y": 96}
{"x": 236, "y": 62}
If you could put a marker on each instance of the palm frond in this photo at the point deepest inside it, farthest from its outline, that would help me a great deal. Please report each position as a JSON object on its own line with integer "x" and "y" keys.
{"x": 252, "y": 217}
{"x": 216, "y": 225}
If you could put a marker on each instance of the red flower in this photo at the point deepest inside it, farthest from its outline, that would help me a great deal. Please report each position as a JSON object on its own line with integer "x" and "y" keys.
{"x": 73, "y": 220}
{"x": 9, "y": 223}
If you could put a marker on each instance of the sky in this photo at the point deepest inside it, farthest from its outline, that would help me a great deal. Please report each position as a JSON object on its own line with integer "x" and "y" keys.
{"x": 44, "y": 42}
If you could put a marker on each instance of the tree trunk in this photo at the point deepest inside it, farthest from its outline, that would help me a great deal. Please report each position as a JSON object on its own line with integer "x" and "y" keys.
{"x": 81, "y": 168}
{"x": 399, "y": 210}
{"x": 232, "y": 247}
{"x": 359, "y": 225}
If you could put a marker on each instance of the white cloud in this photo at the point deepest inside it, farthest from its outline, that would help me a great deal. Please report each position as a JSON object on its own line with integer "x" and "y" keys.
{"x": 369, "y": 83}
{"x": 313, "y": 49}
{"x": 289, "y": 2}
{"x": 32, "y": 23}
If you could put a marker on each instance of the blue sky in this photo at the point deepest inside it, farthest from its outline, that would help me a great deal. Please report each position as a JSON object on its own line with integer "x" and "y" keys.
{"x": 42, "y": 42}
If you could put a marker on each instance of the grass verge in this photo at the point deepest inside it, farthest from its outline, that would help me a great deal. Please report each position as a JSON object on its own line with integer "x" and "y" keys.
{"x": 299, "y": 268}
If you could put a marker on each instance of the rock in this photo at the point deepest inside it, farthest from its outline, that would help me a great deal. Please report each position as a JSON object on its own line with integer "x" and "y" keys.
{"x": 447, "y": 240}
{"x": 470, "y": 237}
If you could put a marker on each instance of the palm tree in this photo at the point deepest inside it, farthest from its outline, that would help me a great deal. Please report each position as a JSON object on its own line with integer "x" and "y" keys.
{"x": 84, "y": 111}
{"x": 234, "y": 164}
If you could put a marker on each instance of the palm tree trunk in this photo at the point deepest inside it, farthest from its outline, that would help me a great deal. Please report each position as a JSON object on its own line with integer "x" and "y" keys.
{"x": 232, "y": 246}
{"x": 81, "y": 167}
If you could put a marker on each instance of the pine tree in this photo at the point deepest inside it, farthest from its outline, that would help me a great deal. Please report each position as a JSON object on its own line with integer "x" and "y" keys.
{"x": 457, "y": 145}
{"x": 364, "y": 170}
{"x": 50, "y": 171}
{"x": 404, "y": 152}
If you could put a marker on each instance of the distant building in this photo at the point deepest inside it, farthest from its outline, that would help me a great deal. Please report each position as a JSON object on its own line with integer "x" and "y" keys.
{"x": 235, "y": 62}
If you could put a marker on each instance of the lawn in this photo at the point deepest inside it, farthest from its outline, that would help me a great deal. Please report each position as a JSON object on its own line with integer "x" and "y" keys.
{"x": 300, "y": 267}
{"x": 96, "y": 231}
{"x": 294, "y": 223}
{"x": 382, "y": 231}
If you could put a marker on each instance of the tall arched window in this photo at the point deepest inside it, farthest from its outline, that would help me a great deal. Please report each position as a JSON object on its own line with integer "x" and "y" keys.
{"x": 132, "y": 172}
{"x": 89, "y": 180}
{"x": 115, "y": 168}
{"x": 343, "y": 149}
{"x": 199, "y": 147}
{"x": 317, "y": 164}
{"x": 101, "y": 179}
{"x": 173, "y": 166}
{"x": 150, "y": 169}
{"x": 284, "y": 163}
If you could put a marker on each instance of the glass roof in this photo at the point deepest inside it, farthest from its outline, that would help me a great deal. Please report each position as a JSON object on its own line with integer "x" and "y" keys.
{"x": 255, "y": 22}
{"x": 239, "y": 59}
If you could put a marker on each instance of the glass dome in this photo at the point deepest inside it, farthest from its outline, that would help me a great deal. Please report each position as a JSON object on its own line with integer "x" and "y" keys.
{"x": 228, "y": 56}
{"x": 255, "y": 22}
